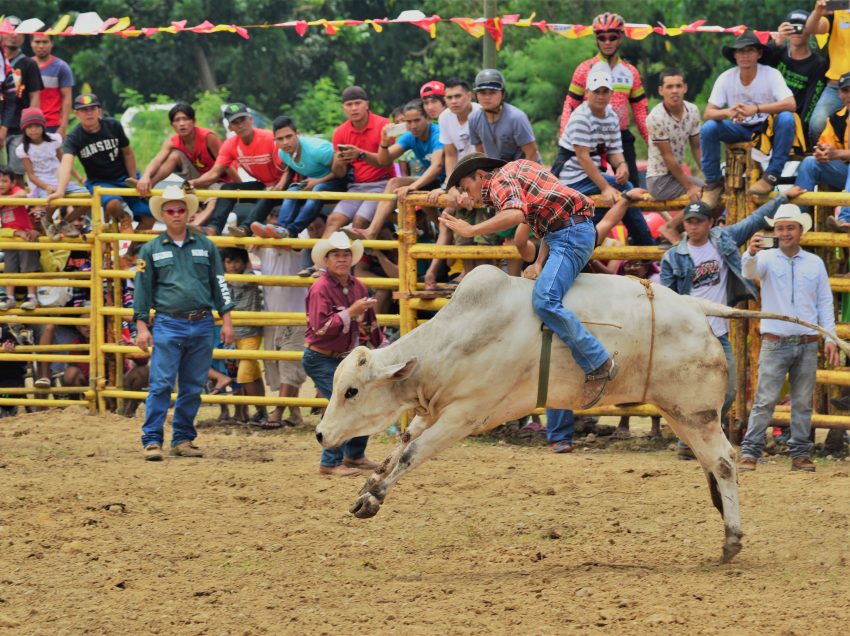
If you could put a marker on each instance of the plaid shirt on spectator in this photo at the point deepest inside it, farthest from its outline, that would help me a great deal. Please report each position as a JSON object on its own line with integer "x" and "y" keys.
{"x": 524, "y": 185}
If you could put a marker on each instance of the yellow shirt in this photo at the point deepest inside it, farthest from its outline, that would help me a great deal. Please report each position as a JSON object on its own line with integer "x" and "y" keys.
{"x": 839, "y": 45}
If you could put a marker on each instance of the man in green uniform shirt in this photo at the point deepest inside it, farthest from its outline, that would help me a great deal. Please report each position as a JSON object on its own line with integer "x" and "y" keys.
{"x": 180, "y": 275}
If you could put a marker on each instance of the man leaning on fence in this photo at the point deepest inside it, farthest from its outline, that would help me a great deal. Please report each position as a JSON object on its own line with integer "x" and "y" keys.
{"x": 180, "y": 275}
{"x": 794, "y": 282}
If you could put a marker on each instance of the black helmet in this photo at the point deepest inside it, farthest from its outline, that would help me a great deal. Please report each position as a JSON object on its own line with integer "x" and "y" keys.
{"x": 490, "y": 79}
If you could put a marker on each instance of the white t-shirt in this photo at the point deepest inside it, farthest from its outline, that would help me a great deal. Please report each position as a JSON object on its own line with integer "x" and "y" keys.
{"x": 45, "y": 164}
{"x": 767, "y": 86}
{"x": 677, "y": 132}
{"x": 452, "y": 132}
{"x": 596, "y": 133}
{"x": 281, "y": 262}
{"x": 710, "y": 281}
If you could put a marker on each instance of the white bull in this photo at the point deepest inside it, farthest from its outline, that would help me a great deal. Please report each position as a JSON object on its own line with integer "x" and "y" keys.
{"x": 475, "y": 366}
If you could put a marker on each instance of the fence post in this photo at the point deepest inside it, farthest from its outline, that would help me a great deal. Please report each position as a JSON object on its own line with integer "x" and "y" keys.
{"x": 96, "y": 340}
{"x": 407, "y": 268}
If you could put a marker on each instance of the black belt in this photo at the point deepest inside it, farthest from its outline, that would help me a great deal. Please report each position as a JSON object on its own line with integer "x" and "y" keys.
{"x": 328, "y": 352}
{"x": 792, "y": 340}
{"x": 191, "y": 316}
{"x": 560, "y": 223}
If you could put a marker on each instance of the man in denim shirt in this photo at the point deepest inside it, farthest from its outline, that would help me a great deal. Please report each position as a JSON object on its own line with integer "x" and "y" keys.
{"x": 708, "y": 264}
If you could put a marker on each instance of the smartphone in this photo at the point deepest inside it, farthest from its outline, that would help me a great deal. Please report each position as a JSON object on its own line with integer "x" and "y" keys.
{"x": 397, "y": 130}
{"x": 837, "y": 5}
{"x": 769, "y": 242}
{"x": 343, "y": 147}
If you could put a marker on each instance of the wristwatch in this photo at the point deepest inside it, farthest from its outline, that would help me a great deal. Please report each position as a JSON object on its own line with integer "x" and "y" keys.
{"x": 362, "y": 155}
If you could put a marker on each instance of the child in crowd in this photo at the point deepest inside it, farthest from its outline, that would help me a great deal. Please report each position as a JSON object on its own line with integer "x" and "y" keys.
{"x": 283, "y": 376}
{"x": 16, "y": 221}
{"x": 246, "y": 297}
{"x": 11, "y": 373}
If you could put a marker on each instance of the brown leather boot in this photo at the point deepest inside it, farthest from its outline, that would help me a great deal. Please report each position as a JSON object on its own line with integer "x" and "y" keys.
{"x": 746, "y": 464}
{"x": 802, "y": 463}
{"x": 595, "y": 383}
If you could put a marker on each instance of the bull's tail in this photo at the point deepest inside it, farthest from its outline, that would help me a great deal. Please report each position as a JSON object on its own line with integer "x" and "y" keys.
{"x": 710, "y": 308}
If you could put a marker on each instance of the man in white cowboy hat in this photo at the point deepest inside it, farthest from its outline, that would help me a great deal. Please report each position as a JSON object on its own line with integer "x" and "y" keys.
{"x": 180, "y": 275}
{"x": 340, "y": 316}
{"x": 794, "y": 283}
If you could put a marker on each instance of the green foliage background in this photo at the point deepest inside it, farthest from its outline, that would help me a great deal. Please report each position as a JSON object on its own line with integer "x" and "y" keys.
{"x": 277, "y": 71}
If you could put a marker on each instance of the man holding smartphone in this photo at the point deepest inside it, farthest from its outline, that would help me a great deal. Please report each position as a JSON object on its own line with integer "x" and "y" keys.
{"x": 829, "y": 163}
{"x": 793, "y": 283}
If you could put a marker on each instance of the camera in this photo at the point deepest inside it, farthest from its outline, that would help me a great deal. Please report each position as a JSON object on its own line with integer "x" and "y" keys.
{"x": 798, "y": 28}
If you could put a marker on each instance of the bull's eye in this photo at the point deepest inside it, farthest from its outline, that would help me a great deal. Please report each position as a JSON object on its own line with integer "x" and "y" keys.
{"x": 350, "y": 393}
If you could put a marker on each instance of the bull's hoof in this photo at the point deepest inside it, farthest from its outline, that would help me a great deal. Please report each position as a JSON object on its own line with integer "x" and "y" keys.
{"x": 730, "y": 550}
{"x": 366, "y": 506}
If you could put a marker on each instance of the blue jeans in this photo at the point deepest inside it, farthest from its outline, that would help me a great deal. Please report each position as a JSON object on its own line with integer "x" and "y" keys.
{"x": 569, "y": 250}
{"x": 296, "y": 214}
{"x": 321, "y": 370}
{"x": 828, "y": 103}
{"x": 731, "y": 386}
{"x": 182, "y": 352}
{"x": 833, "y": 173}
{"x": 713, "y": 132}
{"x": 223, "y": 207}
{"x": 559, "y": 426}
{"x": 633, "y": 218}
{"x": 138, "y": 206}
{"x": 800, "y": 362}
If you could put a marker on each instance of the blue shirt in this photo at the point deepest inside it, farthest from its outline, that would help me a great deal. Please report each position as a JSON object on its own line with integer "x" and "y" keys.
{"x": 796, "y": 286}
{"x": 424, "y": 149}
{"x": 316, "y": 157}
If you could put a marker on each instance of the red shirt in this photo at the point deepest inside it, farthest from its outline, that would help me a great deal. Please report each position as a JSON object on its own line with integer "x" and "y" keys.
{"x": 16, "y": 218}
{"x": 257, "y": 158}
{"x": 524, "y": 185}
{"x": 367, "y": 139}
{"x": 200, "y": 156}
{"x": 328, "y": 324}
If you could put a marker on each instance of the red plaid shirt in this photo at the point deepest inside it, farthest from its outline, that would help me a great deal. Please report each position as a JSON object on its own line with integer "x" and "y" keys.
{"x": 524, "y": 185}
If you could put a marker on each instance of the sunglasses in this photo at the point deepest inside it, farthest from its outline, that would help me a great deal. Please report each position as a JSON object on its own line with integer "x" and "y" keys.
{"x": 607, "y": 38}
{"x": 174, "y": 211}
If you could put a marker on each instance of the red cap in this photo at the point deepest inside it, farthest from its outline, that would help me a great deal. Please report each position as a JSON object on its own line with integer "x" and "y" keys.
{"x": 432, "y": 89}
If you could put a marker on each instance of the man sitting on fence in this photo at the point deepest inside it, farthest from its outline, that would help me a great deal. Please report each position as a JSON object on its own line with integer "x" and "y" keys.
{"x": 254, "y": 151}
{"x": 741, "y": 100}
{"x": 829, "y": 164}
{"x": 793, "y": 283}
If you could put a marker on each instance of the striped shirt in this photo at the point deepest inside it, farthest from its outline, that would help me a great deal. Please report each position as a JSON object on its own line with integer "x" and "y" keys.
{"x": 523, "y": 185}
{"x": 600, "y": 134}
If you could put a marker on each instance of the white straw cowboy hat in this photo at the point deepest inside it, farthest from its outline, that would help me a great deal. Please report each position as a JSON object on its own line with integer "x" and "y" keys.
{"x": 336, "y": 241}
{"x": 791, "y": 212}
{"x": 173, "y": 193}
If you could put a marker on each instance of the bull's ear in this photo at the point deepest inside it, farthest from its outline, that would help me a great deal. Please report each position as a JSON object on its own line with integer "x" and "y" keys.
{"x": 396, "y": 372}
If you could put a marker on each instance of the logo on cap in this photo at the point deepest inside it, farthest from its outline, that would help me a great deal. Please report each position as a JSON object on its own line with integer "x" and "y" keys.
{"x": 234, "y": 108}
{"x": 85, "y": 100}
{"x": 695, "y": 207}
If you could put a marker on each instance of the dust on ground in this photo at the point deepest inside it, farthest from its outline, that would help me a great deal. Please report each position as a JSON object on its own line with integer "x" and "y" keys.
{"x": 487, "y": 538}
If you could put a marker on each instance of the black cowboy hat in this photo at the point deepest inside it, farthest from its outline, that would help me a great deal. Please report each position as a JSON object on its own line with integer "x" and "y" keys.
{"x": 747, "y": 38}
{"x": 471, "y": 163}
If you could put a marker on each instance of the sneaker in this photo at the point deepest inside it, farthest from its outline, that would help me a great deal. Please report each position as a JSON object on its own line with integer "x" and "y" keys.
{"x": 561, "y": 447}
{"x": 307, "y": 272}
{"x": 765, "y": 185}
{"x": 363, "y": 463}
{"x": 338, "y": 471}
{"x": 277, "y": 231}
{"x": 712, "y": 194}
{"x": 29, "y": 304}
{"x": 186, "y": 449}
{"x": 9, "y": 303}
{"x": 153, "y": 453}
{"x": 802, "y": 463}
{"x": 206, "y": 230}
{"x": 42, "y": 383}
{"x": 746, "y": 464}
{"x": 239, "y": 231}
{"x": 260, "y": 230}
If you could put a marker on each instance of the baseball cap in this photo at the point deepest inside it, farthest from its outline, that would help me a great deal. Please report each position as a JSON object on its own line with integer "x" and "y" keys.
{"x": 235, "y": 111}
{"x": 599, "y": 77}
{"x": 354, "y": 92}
{"x": 86, "y": 100}
{"x": 844, "y": 81}
{"x": 699, "y": 210}
{"x": 797, "y": 16}
{"x": 433, "y": 88}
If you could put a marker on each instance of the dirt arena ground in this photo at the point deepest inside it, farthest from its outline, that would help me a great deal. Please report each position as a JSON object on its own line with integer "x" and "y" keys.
{"x": 489, "y": 538}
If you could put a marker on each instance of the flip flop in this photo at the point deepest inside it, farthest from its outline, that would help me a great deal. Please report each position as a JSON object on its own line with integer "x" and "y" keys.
{"x": 617, "y": 434}
{"x": 355, "y": 234}
{"x": 267, "y": 424}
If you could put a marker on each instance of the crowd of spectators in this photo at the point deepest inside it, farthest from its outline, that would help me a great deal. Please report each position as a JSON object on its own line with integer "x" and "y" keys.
{"x": 789, "y": 99}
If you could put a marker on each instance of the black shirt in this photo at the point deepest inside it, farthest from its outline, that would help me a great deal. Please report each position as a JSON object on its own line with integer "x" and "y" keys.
{"x": 27, "y": 79}
{"x": 100, "y": 152}
{"x": 806, "y": 79}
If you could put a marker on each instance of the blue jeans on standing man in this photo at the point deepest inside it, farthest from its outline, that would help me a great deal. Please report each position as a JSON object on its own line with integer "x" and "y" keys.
{"x": 829, "y": 102}
{"x": 321, "y": 369}
{"x": 183, "y": 353}
{"x": 560, "y": 425}
{"x": 296, "y": 214}
{"x": 713, "y": 132}
{"x": 800, "y": 362}
{"x": 834, "y": 173}
{"x": 633, "y": 219}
